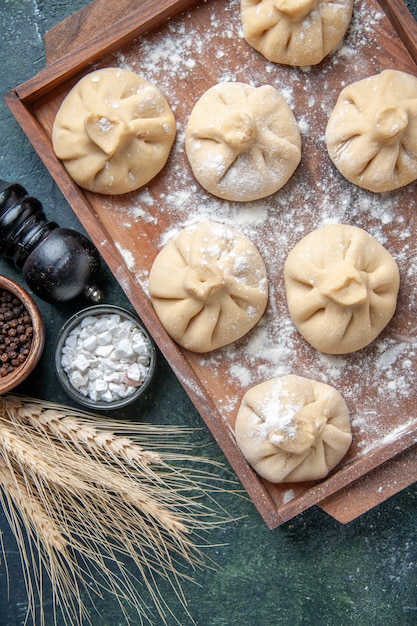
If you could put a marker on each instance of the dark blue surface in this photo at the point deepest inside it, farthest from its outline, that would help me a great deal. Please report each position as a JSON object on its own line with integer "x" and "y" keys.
{"x": 310, "y": 571}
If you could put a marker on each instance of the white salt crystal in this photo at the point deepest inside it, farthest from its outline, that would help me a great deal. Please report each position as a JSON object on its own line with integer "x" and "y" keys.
{"x": 108, "y": 396}
{"x": 90, "y": 343}
{"x": 66, "y": 361}
{"x": 134, "y": 373}
{"x": 71, "y": 341}
{"x": 77, "y": 380}
{"x": 81, "y": 364}
{"x": 86, "y": 321}
{"x": 104, "y": 338}
{"x": 123, "y": 349}
{"x": 100, "y": 385}
{"x": 104, "y": 351}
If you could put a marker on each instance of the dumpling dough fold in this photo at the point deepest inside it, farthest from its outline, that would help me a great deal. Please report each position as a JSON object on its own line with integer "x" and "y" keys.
{"x": 113, "y": 131}
{"x": 243, "y": 143}
{"x": 371, "y": 134}
{"x": 293, "y": 429}
{"x": 208, "y": 286}
{"x": 341, "y": 286}
{"x": 295, "y": 32}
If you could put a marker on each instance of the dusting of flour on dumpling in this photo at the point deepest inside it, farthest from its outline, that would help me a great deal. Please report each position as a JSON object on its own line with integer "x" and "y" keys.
{"x": 293, "y": 429}
{"x": 113, "y": 131}
{"x": 295, "y": 32}
{"x": 243, "y": 143}
{"x": 208, "y": 286}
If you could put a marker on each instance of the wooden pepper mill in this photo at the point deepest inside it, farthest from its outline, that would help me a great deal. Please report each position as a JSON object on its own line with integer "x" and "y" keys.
{"x": 58, "y": 264}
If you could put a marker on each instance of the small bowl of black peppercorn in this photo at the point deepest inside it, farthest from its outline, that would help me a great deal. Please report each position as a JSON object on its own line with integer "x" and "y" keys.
{"x": 22, "y": 334}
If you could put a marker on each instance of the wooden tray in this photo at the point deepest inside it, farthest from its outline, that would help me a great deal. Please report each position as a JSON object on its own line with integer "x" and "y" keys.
{"x": 185, "y": 47}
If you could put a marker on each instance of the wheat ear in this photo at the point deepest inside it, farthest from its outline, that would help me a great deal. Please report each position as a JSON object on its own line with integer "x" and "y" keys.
{"x": 89, "y": 498}
{"x": 71, "y": 427}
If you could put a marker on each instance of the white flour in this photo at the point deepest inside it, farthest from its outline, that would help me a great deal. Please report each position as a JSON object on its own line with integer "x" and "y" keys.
{"x": 382, "y": 376}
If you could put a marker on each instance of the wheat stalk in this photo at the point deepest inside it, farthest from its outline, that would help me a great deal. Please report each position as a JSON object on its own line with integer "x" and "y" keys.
{"x": 92, "y": 494}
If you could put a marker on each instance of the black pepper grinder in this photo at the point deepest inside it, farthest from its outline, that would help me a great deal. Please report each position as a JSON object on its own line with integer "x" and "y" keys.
{"x": 58, "y": 264}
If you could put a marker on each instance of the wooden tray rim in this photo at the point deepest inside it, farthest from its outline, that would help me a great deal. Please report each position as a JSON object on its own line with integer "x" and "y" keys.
{"x": 142, "y": 19}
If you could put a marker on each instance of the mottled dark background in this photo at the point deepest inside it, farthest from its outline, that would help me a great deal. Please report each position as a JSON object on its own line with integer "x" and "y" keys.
{"x": 309, "y": 571}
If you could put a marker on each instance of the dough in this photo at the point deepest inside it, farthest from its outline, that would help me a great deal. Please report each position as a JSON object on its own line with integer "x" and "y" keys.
{"x": 295, "y": 32}
{"x": 293, "y": 429}
{"x": 243, "y": 143}
{"x": 114, "y": 131}
{"x": 341, "y": 287}
{"x": 371, "y": 135}
{"x": 208, "y": 286}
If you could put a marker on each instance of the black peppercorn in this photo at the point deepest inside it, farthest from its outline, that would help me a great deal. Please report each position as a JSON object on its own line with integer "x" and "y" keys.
{"x": 16, "y": 332}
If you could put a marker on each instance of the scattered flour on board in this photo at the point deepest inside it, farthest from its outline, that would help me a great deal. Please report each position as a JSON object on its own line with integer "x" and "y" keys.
{"x": 128, "y": 257}
{"x": 387, "y": 369}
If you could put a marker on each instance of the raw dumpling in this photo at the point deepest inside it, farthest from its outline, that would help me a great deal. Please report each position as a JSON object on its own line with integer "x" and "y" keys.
{"x": 208, "y": 286}
{"x": 341, "y": 287}
{"x": 295, "y": 32}
{"x": 114, "y": 131}
{"x": 293, "y": 429}
{"x": 243, "y": 143}
{"x": 371, "y": 135}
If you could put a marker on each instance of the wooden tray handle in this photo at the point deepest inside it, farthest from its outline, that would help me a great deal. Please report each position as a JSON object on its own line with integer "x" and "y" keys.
{"x": 373, "y": 488}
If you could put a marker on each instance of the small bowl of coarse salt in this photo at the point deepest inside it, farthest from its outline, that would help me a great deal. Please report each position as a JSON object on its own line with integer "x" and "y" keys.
{"x": 104, "y": 357}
